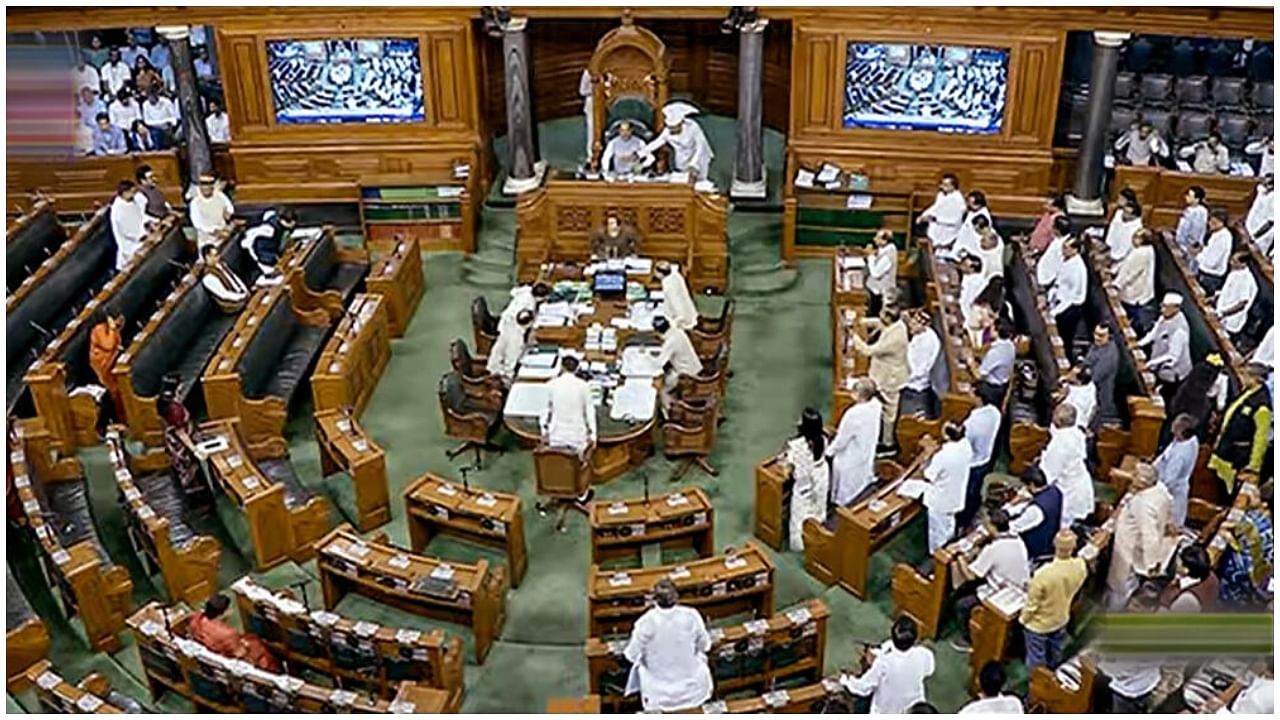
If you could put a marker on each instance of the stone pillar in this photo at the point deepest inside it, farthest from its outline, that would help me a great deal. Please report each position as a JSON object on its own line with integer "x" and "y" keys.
{"x": 1086, "y": 192}
{"x": 525, "y": 170}
{"x": 748, "y": 164}
{"x": 199, "y": 159}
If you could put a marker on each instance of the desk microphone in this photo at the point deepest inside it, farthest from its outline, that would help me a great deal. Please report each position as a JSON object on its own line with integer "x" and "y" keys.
{"x": 644, "y": 475}
{"x": 301, "y": 586}
{"x": 464, "y": 470}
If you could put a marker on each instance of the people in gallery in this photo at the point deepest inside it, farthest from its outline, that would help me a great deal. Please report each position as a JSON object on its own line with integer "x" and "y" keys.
{"x": 1141, "y": 145}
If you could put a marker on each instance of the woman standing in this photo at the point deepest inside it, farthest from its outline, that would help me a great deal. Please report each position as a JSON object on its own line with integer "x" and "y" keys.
{"x": 810, "y": 474}
{"x": 104, "y": 348}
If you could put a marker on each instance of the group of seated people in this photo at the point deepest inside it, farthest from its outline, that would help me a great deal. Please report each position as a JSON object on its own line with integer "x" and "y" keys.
{"x": 1142, "y": 145}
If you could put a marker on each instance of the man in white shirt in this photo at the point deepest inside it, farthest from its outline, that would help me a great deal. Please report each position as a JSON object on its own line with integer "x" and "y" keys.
{"x": 1212, "y": 259}
{"x": 1066, "y": 297}
{"x": 1050, "y": 262}
{"x": 918, "y": 397}
{"x": 947, "y": 475}
{"x": 945, "y": 215}
{"x": 622, "y": 153}
{"x": 1265, "y": 149}
{"x": 676, "y": 356}
{"x": 1126, "y": 220}
{"x": 1001, "y": 563}
{"x": 1170, "y": 340}
{"x": 509, "y": 347}
{"x": 1194, "y": 219}
{"x": 85, "y": 75}
{"x": 1082, "y": 394}
{"x": 116, "y": 73}
{"x": 210, "y": 210}
{"x": 1063, "y": 463}
{"x": 895, "y": 680}
{"x": 1260, "y": 222}
{"x": 1236, "y": 298}
{"x": 967, "y": 237}
{"x": 677, "y": 303}
{"x": 853, "y": 451}
{"x": 129, "y": 222}
{"x": 690, "y": 151}
{"x": 124, "y": 110}
{"x": 216, "y": 124}
{"x": 569, "y": 419}
{"x": 993, "y": 701}
{"x": 1135, "y": 281}
{"x": 980, "y": 428}
{"x": 1209, "y": 156}
{"x": 523, "y": 297}
{"x": 1141, "y": 145}
{"x": 668, "y": 654}
{"x": 882, "y": 271}
{"x": 159, "y": 112}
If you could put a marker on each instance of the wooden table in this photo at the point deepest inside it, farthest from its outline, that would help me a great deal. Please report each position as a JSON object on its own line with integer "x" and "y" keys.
{"x": 436, "y": 506}
{"x": 353, "y": 359}
{"x": 589, "y": 705}
{"x": 621, "y": 528}
{"x": 771, "y": 511}
{"x": 397, "y": 277}
{"x": 387, "y": 574}
{"x": 346, "y": 447}
{"x": 719, "y": 586}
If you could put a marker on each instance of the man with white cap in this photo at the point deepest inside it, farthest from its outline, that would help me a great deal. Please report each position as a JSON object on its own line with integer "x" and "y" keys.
{"x": 678, "y": 304}
{"x": 210, "y": 210}
{"x": 1170, "y": 341}
{"x": 690, "y": 151}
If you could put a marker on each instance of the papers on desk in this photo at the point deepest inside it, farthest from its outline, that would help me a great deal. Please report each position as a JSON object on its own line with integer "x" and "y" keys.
{"x": 638, "y": 362}
{"x": 1009, "y": 600}
{"x": 634, "y": 401}
{"x": 678, "y": 178}
{"x": 912, "y": 488}
{"x": 526, "y": 400}
{"x": 306, "y": 234}
{"x": 804, "y": 178}
{"x": 638, "y": 265}
{"x": 851, "y": 262}
{"x": 640, "y": 316}
{"x": 704, "y": 186}
{"x": 828, "y": 173}
{"x": 600, "y": 338}
{"x": 858, "y": 202}
{"x": 555, "y": 314}
{"x": 540, "y": 358}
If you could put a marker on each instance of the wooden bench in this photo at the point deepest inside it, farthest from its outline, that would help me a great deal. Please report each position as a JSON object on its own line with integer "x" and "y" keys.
{"x": 55, "y": 502}
{"x": 216, "y": 683}
{"x": 31, "y": 239}
{"x": 620, "y": 529}
{"x": 354, "y": 652}
{"x": 754, "y": 655}
{"x": 345, "y": 447}
{"x": 397, "y": 277}
{"x": 156, "y": 520}
{"x": 814, "y": 699}
{"x": 470, "y": 594}
{"x": 354, "y": 357}
{"x": 92, "y": 695}
{"x": 436, "y": 506}
{"x": 738, "y": 581}
{"x": 52, "y": 296}
{"x": 134, "y": 293}
{"x": 26, "y": 641}
{"x": 323, "y": 276}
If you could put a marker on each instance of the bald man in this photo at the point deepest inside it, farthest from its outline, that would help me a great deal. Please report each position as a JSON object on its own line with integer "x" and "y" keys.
{"x": 1049, "y": 596}
{"x": 1143, "y": 539}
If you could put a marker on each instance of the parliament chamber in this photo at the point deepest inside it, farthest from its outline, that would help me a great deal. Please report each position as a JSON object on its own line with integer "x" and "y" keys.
{"x": 606, "y": 359}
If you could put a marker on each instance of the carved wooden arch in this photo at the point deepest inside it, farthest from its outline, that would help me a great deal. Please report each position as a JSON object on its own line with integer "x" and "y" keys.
{"x": 629, "y": 61}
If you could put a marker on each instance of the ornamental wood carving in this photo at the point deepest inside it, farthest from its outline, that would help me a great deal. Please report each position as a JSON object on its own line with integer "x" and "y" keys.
{"x": 629, "y": 62}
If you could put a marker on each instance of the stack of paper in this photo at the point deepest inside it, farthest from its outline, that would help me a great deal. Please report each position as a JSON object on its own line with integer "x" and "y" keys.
{"x": 634, "y": 401}
{"x": 1008, "y": 600}
{"x": 804, "y": 178}
{"x": 912, "y": 488}
{"x": 828, "y": 173}
{"x": 639, "y": 265}
{"x": 640, "y": 363}
{"x": 526, "y": 400}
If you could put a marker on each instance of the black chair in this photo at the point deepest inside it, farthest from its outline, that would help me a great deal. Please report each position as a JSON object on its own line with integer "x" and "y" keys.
{"x": 484, "y": 326}
{"x": 1263, "y": 97}
{"x": 1156, "y": 90}
{"x": 1219, "y": 59}
{"x": 1182, "y": 58}
{"x": 1122, "y": 118}
{"x": 1193, "y": 126}
{"x": 1228, "y": 93}
{"x": 1235, "y": 130}
{"x": 1192, "y": 92}
{"x": 1161, "y": 120}
{"x": 1126, "y": 88}
{"x": 1137, "y": 56}
{"x": 1262, "y": 62}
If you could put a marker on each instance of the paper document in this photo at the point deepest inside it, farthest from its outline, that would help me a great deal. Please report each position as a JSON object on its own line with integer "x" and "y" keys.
{"x": 804, "y": 178}
{"x": 858, "y": 202}
{"x": 1008, "y": 600}
{"x": 828, "y": 173}
{"x": 638, "y": 362}
{"x": 634, "y": 401}
{"x": 526, "y": 400}
{"x": 912, "y": 488}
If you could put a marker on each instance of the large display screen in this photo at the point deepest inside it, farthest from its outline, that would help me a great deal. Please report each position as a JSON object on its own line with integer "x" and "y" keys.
{"x": 346, "y": 80}
{"x": 946, "y": 88}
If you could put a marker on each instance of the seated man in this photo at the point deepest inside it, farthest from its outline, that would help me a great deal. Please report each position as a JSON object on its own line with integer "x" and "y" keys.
{"x": 211, "y": 211}
{"x": 615, "y": 240}
{"x": 215, "y": 634}
{"x": 265, "y": 242}
{"x": 227, "y": 289}
{"x": 1002, "y": 562}
{"x": 676, "y": 356}
{"x": 622, "y": 153}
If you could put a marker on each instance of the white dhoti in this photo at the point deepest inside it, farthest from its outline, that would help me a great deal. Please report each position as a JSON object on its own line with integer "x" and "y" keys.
{"x": 941, "y": 527}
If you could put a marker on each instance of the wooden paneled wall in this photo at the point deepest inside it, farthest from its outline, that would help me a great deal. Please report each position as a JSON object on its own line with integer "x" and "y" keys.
{"x": 704, "y": 65}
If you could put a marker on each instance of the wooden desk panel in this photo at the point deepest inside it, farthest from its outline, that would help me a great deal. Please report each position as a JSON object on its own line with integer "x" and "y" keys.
{"x": 674, "y": 222}
{"x": 434, "y": 505}
{"x": 397, "y": 277}
{"x": 615, "y": 599}
{"x": 56, "y": 695}
{"x": 80, "y": 184}
{"x": 1162, "y": 191}
{"x": 386, "y": 574}
{"x": 621, "y": 528}
{"x": 345, "y": 447}
{"x": 354, "y": 358}
{"x": 771, "y": 511}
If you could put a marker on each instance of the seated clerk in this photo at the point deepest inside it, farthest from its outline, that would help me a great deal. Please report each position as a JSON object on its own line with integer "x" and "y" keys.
{"x": 676, "y": 356}
{"x": 509, "y": 347}
{"x": 616, "y": 240}
{"x": 991, "y": 699}
{"x": 1002, "y": 562}
{"x": 210, "y": 631}
{"x": 266, "y": 240}
{"x": 1038, "y": 520}
{"x": 896, "y": 675}
{"x": 1195, "y": 586}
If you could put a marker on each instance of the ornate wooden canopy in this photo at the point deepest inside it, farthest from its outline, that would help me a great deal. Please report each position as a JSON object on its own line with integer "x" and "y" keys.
{"x": 629, "y": 62}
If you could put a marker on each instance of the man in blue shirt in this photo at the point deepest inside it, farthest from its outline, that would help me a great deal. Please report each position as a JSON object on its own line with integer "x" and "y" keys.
{"x": 108, "y": 139}
{"x": 159, "y": 55}
{"x": 89, "y": 106}
{"x": 1194, "y": 221}
{"x": 204, "y": 68}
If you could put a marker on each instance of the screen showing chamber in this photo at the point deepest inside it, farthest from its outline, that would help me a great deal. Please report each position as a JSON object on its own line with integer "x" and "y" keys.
{"x": 609, "y": 282}
{"x": 947, "y": 88}
{"x": 346, "y": 80}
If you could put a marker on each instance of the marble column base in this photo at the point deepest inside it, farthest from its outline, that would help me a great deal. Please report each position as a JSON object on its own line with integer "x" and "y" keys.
{"x": 1076, "y": 206}
{"x": 748, "y": 190}
{"x": 516, "y": 186}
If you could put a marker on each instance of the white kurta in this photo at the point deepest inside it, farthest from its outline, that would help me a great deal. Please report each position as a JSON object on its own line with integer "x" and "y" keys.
{"x": 521, "y": 299}
{"x": 895, "y": 680}
{"x": 668, "y": 649}
{"x": 1050, "y": 262}
{"x": 506, "y": 352}
{"x": 967, "y": 238}
{"x": 1063, "y": 463}
{"x": 853, "y": 451}
{"x": 584, "y": 91}
{"x": 128, "y": 227}
{"x": 209, "y": 215}
{"x": 992, "y": 260}
{"x": 676, "y": 351}
{"x": 1261, "y": 212}
{"x": 882, "y": 272}
{"x": 947, "y": 212}
{"x": 1239, "y": 287}
{"x": 1084, "y": 398}
{"x": 1120, "y": 235}
{"x": 621, "y": 155}
{"x": 1140, "y": 544}
{"x": 569, "y": 419}
{"x": 678, "y": 304}
{"x": 809, "y": 489}
{"x": 948, "y": 476}
{"x": 690, "y": 151}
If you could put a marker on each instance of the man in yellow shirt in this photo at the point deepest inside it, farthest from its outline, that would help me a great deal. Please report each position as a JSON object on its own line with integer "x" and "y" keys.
{"x": 1048, "y": 610}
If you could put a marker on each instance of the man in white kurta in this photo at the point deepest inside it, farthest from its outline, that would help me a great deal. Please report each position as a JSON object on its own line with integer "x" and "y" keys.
{"x": 507, "y": 349}
{"x": 211, "y": 211}
{"x": 678, "y": 304}
{"x": 946, "y": 214}
{"x": 690, "y": 151}
{"x": 128, "y": 222}
{"x": 588, "y": 110}
{"x": 569, "y": 419}
{"x": 1175, "y": 464}
{"x": 1260, "y": 222}
{"x": 1124, "y": 223}
{"x": 622, "y": 152}
{"x": 1050, "y": 261}
{"x": 1082, "y": 394}
{"x": 948, "y": 477}
{"x": 882, "y": 270}
{"x": 523, "y": 297}
{"x": 895, "y": 680}
{"x": 1236, "y": 297}
{"x": 853, "y": 451}
{"x": 1141, "y": 545}
{"x": 668, "y": 654}
{"x": 1063, "y": 463}
{"x": 676, "y": 356}
{"x": 968, "y": 236}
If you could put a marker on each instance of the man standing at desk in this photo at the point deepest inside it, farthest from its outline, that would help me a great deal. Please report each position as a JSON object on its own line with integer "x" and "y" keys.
{"x": 668, "y": 654}
{"x": 569, "y": 419}
{"x": 506, "y": 352}
{"x": 853, "y": 451}
{"x": 690, "y": 151}
{"x": 675, "y": 297}
{"x": 676, "y": 356}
